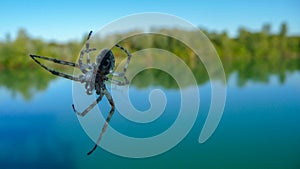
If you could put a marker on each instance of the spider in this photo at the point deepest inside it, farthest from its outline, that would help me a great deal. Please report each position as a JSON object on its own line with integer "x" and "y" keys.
{"x": 94, "y": 76}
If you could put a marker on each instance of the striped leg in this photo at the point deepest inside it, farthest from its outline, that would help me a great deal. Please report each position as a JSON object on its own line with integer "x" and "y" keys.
{"x": 87, "y": 50}
{"x": 128, "y": 58}
{"x": 58, "y": 62}
{"x": 118, "y": 82}
{"x": 88, "y": 109}
{"x": 112, "y": 110}
{"x": 122, "y": 74}
{"x": 87, "y": 46}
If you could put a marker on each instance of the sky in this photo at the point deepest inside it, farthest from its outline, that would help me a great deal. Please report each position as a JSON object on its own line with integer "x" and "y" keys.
{"x": 70, "y": 20}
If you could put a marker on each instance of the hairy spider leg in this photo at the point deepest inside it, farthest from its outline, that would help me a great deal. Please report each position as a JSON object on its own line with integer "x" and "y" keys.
{"x": 90, "y": 106}
{"x": 112, "y": 110}
{"x": 128, "y": 58}
{"x": 122, "y": 74}
{"x": 87, "y": 50}
{"x": 87, "y": 46}
{"x": 118, "y": 82}
{"x": 90, "y": 34}
{"x": 58, "y": 62}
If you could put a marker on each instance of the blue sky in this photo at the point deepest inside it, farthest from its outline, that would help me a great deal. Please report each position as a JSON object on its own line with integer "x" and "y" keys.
{"x": 68, "y": 20}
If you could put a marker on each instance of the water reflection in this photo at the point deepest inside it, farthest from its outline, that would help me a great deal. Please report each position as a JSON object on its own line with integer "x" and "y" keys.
{"x": 27, "y": 82}
{"x": 260, "y": 124}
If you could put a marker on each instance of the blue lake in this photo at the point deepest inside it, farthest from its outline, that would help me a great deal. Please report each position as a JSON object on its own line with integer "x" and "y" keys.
{"x": 260, "y": 128}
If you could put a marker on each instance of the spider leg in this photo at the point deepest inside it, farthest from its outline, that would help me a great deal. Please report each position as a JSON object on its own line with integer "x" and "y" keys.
{"x": 87, "y": 46}
{"x": 87, "y": 50}
{"x": 128, "y": 58}
{"x": 90, "y": 34}
{"x": 112, "y": 110}
{"x": 62, "y": 62}
{"x": 118, "y": 82}
{"x": 122, "y": 74}
{"x": 88, "y": 109}
{"x": 58, "y": 62}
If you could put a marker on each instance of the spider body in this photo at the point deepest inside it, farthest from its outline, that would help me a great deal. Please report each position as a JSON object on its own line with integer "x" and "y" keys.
{"x": 106, "y": 64}
{"x": 106, "y": 60}
{"x": 94, "y": 76}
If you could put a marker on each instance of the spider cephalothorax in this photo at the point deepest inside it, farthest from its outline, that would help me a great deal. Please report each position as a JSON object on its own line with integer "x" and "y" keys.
{"x": 94, "y": 76}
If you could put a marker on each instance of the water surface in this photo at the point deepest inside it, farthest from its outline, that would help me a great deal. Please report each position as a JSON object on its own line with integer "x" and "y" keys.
{"x": 259, "y": 129}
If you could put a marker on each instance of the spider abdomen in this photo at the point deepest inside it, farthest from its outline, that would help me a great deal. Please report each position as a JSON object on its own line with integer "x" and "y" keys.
{"x": 106, "y": 62}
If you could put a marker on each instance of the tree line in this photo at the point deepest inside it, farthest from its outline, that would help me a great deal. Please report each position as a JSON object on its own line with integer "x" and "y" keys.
{"x": 252, "y": 55}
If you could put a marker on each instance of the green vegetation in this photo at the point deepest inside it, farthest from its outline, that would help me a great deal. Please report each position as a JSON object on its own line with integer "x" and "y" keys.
{"x": 256, "y": 55}
{"x": 18, "y": 73}
{"x": 252, "y": 55}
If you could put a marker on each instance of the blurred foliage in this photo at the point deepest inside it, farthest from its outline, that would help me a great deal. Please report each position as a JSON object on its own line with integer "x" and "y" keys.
{"x": 257, "y": 55}
{"x": 251, "y": 55}
{"x": 19, "y": 73}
